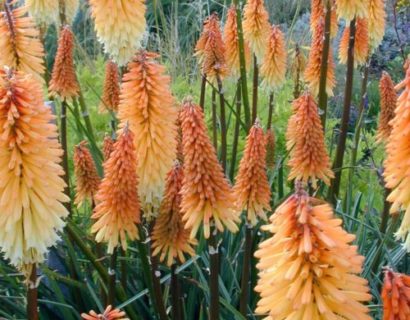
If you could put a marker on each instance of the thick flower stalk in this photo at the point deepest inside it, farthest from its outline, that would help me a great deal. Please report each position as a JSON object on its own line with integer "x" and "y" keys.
{"x": 252, "y": 190}
{"x": 388, "y": 102}
{"x": 111, "y": 89}
{"x": 376, "y": 21}
{"x": 350, "y": 9}
{"x": 147, "y": 105}
{"x": 309, "y": 160}
{"x": 170, "y": 237}
{"x": 232, "y": 44}
{"x": 118, "y": 211}
{"x": 273, "y": 67}
{"x": 86, "y": 174}
{"x": 31, "y": 188}
{"x": 270, "y": 149}
{"x": 312, "y": 71}
{"x": 308, "y": 268}
{"x": 361, "y": 46}
{"x": 207, "y": 197}
{"x": 63, "y": 81}
{"x": 108, "y": 146}
{"x": 318, "y": 13}
{"x": 120, "y": 26}
{"x": 108, "y": 314}
{"x": 21, "y": 48}
{"x": 256, "y": 26}
{"x": 210, "y": 50}
{"x": 43, "y": 11}
{"x": 396, "y": 296}
{"x": 397, "y": 164}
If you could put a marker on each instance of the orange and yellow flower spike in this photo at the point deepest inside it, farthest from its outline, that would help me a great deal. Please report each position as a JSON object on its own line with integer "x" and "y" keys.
{"x": 43, "y": 11}
{"x": 376, "y": 21}
{"x": 270, "y": 148}
{"x": 108, "y": 314}
{"x": 147, "y": 105}
{"x": 118, "y": 210}
{"x": 308, "y": 268}
{"x": 361, "y": 46}
{"x": 388, "y": 102}
{"x": 350, "y": 9}
{"x": 31, "y": 188}
{"x": 207, "y": 197}
{"x": 111, "y": 90}
{"x": 318, "y": 13}
{"x": 396, "y": 296}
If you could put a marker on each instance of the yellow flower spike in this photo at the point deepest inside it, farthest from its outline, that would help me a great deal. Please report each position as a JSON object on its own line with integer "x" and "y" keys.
{"x": 318, "y": 13}
{"x": 252, "y": 189}
{"x": 118, "y": 210}
{"x": 376, "y": 21}
{"x": 361, "y": 46}
{"x": 308, "y": 268}
{"x": 388, "y": 102}
{"x": 147, "y": 105}
{"x": 43, "y": 11}
{"x": 397, "y": 163}
{"x": 273, "y": 66}
{"x": 21, "y": 48}
{"x": 232, "y": 44}
{"x": 309, "y": 160}
{"x": 350, "y": 9}
{"x": 120, "y": 26}
{"x": 170, "y": 238}
{"x": 207, "y": 197}
{"x": 256, "y": 26}
{"x": 31, "y": 187}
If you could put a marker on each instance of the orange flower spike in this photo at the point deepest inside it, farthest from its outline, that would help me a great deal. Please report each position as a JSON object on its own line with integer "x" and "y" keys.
{"x": 118, "y": 211}
{"x": 63, "y": 79}
{"x": 270, "y": 149}
{"x": 210, "y": 50}
{"x": 396, "y": 296}
{"x": 170, "y": 238}
{"x": 32, "y": 187}
{"x": 388, "y": 102}
{"x": 397, "y": 163}
{"x": 111, "y": 92}
{"x": 21, "y": 48}
{"x": 85, "y": 173}
{"x": 312, "y": 71}
{"x": 308, "y": 268}
{"x": 252, "y": 190}
{"x": 109, "y": 314}
{"x": 318, "y": 13}
{"x": 273, "y": 67}
{"x": 376, "y": 21}
{"x": 146, "y": 103}
{"x": 256, "y": 26}
{"x": 206, "y": 195}
{"x": 361, "y": 47}
{"x": 108, "y": 146}
{"x": 309, "y": 160}
{"x": 349, "y": 9}
{"x": 232, "y": 44}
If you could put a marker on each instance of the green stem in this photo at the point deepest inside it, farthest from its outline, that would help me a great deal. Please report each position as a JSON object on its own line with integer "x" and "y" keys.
{"x": 255, "y": 89}
{"x": 203, "y": 92}
{"x": 341, "y": 146}
{"x": 32, "y": 294}
{"x": 86, "y": 115}
{"x": 297, "y": 84}
{"x": 213, "y": 279}
{"x": 175, "y": 294}
{"x": 223, "y": 124}
{"x": 324, "y": 64}
{"x": 63, "y": 140}
{"x": 245, "y": 282}
{"x": 214, "y": 121}
{"x": 237, "y": 131}
{"x": 270, "y": 112}
{"x": 242, "y": 62}
{"x": 112, "y": 278}
{"x": 124, "y": 271}
{"x": 156, "y": 277}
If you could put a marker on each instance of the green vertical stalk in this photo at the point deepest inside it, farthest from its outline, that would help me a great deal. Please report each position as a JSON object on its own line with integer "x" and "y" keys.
{"x": 242, "y": 62}
{"x": 341, "y": 146}
{"x": 223, "y": 123}
{"x": 86, "y": 115}
{"x": 214, "y": 121}
{"x": 214, "y": 275}
{"x": 112, "y": 278}
{"x": 255, "y": 89}
{"x": 155, "y": 274}
{"x": 203, "y": 92}
{"x": 124, "y": 272}
{"x": 357, "y": 134}
{"x": 324, "y": 64}
{"x": 270, "y": 111}
{"x": 63, "y": 141}
{"x": 246, "y": 268}
{"x": 175, "y": 294}
{"x": 237, "y": 131}
{"x": 32, "y": 294}
{"x": 297, "y": 85}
